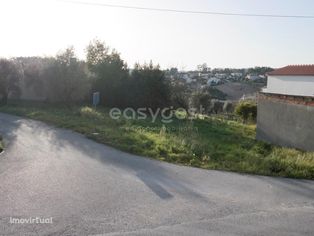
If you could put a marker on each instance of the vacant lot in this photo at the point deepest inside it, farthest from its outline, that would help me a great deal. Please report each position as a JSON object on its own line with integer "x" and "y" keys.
{"x": 209, "y": 143}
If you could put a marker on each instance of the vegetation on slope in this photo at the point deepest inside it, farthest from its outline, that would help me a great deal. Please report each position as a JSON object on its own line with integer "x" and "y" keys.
{"x": 208, "y": 143}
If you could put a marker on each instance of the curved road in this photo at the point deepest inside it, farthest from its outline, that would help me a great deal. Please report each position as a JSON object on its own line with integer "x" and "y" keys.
{"x": 91, "y": 189}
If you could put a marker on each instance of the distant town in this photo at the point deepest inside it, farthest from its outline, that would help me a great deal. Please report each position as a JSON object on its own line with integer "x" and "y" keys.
{"x": 232, "y": 84}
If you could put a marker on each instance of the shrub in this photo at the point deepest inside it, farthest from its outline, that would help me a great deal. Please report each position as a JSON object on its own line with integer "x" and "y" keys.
{"x": 66, "y": 80}
{"x": 201, "y": 100}
{"x": 217, "y": 106}
{"x": 246, "y": 110}
{"x": 89, "y": 113}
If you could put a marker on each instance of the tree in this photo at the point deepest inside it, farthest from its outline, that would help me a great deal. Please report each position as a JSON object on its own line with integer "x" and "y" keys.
{"x": 259, "y": 70}
{"x": 9, "y": 79}
{"x": 67, "y": 80}
{"x": 110, "y": 73}
{"x": 173, "y": 70}
{"x": 179, "y": 95}
{"x": 246, "y": 110}
{"x": 35, "y": 79}
{"x": 149, "y": 87}
{"x": 201, "y": 101}
{"x": 216, "y": 106}
{"x": 203, "y": 68}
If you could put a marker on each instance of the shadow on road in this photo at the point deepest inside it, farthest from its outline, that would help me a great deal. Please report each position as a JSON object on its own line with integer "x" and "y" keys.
{"x": 152, "y": 173}
{"x": 162, "y": 179}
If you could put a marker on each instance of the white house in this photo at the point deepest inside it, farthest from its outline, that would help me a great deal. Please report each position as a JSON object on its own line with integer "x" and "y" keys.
{"x": 296, "y": 80}
{"x": 205, "y": 75}
{"x": 220, "y": 75}
{"x": 193, "y": 74}
{"x": 185, "y": 76}
{"x": 285, "y": 109}
{"x": 253, "y": 77}
{"x": 237, "y": 74}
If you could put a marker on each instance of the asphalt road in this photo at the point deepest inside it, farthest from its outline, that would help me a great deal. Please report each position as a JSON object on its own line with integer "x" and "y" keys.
{"x": 91, "y": 189}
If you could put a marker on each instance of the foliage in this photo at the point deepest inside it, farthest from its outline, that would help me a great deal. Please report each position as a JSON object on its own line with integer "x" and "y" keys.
{"x": 62, "y": 79}
{"x": 34, "y": 69}
{"x": 89, "y": 112}
{"x": 110, "y": 73}
{"x": 179, "y": 96}
{"x": 10, "y": 76}
{"x": 203, "y": 68}
{"x": 209, "y": 143}
{"x": 201, "y": 102}
{"x": 149, "y": 87}
{"x": 259, "y": 70}
{"x": 246, "y": 110}
{"x": 216, "y": 106}
{"x": 66, "y": 79}
{"x": 144, "y": 87}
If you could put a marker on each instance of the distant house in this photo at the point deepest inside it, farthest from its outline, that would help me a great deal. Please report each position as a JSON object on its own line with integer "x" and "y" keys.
{"x": 186, "y": 77}
{"x": 254, "y": 77}
{"x": 205, "y": 75}
{"x": 236, "y": 74}
{"x": 285, "y": 110}
{"x": 194, "y": 74}
{"x": 213, "y": 81}
{"x": 220, "y": 75}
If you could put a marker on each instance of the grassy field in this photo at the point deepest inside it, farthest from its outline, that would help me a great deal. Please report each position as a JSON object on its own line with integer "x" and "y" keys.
{"x": 209, "y": 143}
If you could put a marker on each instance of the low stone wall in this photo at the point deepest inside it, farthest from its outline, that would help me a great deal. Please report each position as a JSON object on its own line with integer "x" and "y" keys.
{"x": 286, "y": 120}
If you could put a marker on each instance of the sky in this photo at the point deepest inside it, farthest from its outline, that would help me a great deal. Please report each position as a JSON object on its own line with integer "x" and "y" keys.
{"x": 44, "y": 27}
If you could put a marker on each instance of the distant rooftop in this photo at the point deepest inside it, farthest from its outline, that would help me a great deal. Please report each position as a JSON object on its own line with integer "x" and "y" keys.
{"x": 294, "y": 70}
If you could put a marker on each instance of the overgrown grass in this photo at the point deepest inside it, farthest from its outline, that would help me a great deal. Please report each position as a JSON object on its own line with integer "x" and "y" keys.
{"x": 209, "y": 143}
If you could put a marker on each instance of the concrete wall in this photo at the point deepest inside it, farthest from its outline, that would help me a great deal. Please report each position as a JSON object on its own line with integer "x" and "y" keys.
{"x": 285, "y": 123}
{"x": 290, "y": 85}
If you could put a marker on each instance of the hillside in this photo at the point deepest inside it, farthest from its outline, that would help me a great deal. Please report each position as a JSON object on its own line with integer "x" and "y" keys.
{"x": 236, "y": 90}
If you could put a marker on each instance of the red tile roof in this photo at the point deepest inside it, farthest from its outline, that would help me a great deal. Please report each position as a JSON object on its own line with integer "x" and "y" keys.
{"x": 294, "y": 70}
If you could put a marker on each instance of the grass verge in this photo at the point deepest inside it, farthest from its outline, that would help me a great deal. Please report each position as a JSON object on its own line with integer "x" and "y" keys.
{"x": 208, "y": 143}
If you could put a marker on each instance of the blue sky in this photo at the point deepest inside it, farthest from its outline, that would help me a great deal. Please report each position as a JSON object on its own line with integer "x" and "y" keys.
{"x": 37, "y": 27}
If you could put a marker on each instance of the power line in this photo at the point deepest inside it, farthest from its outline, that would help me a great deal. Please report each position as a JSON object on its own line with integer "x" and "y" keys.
{"x": 188, "y": 12}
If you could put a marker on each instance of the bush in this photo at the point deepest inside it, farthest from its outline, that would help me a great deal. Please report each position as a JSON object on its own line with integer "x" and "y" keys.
{"x": 89, "y": 113}
{"x": 9, "y": 80}
{"x": 201, "y": 100}
{"x": 216, "y": 106}
{"x": 246, "y": 110}
{"x": 66, "y": 79}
